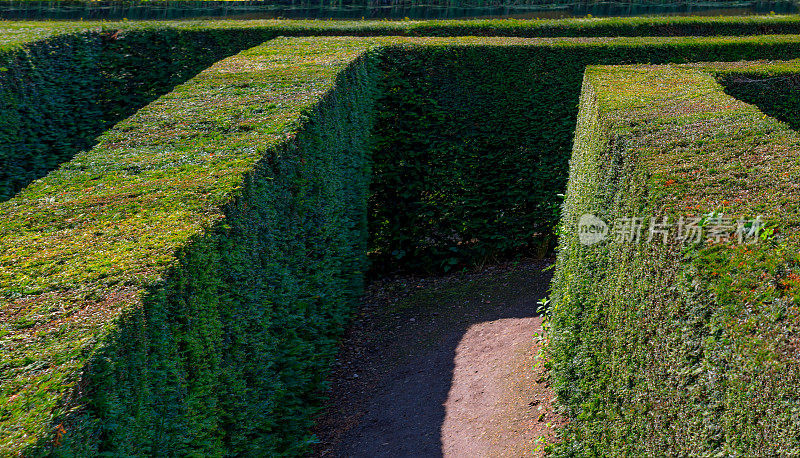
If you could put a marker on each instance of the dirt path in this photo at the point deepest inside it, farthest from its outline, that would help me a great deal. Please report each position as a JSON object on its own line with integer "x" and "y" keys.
{"x": 442, "y": 367}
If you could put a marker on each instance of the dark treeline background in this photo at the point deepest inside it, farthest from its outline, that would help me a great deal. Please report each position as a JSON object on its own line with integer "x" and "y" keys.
{"x": 379, "y": 9}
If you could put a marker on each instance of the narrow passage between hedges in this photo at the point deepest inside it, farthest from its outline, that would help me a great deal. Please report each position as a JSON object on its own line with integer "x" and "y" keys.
{"x": 442, "y": 367}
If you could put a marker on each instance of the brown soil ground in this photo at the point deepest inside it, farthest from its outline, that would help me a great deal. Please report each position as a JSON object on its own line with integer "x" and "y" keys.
{"x": 443, "y": 366}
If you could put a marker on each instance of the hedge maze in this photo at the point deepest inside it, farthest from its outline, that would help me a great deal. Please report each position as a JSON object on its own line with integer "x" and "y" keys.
{"x": 177, "y": 284}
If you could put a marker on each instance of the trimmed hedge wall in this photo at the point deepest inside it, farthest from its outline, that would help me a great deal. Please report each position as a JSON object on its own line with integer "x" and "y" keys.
{"x": 106, "y": 252}
{"x": 18, "y": 31}
{"x": 111, "y": 69}
{"x": 678, "y": 348}
{"x": 440, "y": 219}
{"x": 196, "y": 266}
{"x": 473, "y": 141}
{"x": 57, "y": 95}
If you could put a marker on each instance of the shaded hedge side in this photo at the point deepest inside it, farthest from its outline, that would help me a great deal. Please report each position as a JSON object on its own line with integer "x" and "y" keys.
{"x": 48, "y": 107}
{"x": 57, "y": 95}
{"x": 200, "y": 264}
{"x": 474, "y": 141}
{"x": 464, "y": 172}
{"x": 678, "y": 348}
{"x": 776, "y": 93}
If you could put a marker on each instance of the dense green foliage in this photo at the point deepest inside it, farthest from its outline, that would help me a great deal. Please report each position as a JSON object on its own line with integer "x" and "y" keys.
{"x": 448, "y": 222}
{"x": 254, "y": 308}
{"x": 683, "y": 347}
{"x": 388, "y": 9}
{"x": 105, "y": 74}
{"x": 463, "y": 171}
{"x": 202, "y": 259}
{"x": 46, "y": 115}
{"x": 777, "y": 95}
{"x": 26, "y": 31}
{"x": 192, "y": 269}
{"x": 473, "y": 142}
{"x": 57, "y": 95}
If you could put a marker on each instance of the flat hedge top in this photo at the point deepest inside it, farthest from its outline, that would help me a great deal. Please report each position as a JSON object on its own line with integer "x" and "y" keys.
{"x": 84, "y": 242}
{"x": 705, "y": 150}
{"x": 674, "y": 103}
{"x": 14, "y": 33}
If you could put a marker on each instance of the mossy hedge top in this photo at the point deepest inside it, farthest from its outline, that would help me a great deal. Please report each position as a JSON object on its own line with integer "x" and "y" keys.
{"x": 83, "y": 243}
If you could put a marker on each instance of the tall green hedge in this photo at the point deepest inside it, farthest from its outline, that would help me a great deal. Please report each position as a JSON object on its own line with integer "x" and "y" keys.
{"x": 651, "y": 26}
{"x": 65, "y": 83}
{"x": 685, "y": 347}
{"x": 483, "y": 156}
{"x": 474, "y": 141}
{"x": 200, "y": 262}
{"x": 62, "y": 84}
{"x": 57, "y": 95}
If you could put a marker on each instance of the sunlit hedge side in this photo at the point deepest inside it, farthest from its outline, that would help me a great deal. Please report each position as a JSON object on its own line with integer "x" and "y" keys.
{"x": 683, "y": 347}
{"x": 185, "y": 280}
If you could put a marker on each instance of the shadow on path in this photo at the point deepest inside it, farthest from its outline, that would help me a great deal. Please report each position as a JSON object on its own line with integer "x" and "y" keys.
{"x": 396, "y": 367}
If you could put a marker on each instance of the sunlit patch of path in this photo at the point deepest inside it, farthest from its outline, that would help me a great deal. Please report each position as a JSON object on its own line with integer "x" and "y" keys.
{"x": 498, "y": 403}
{"x": 442, "y": 366}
